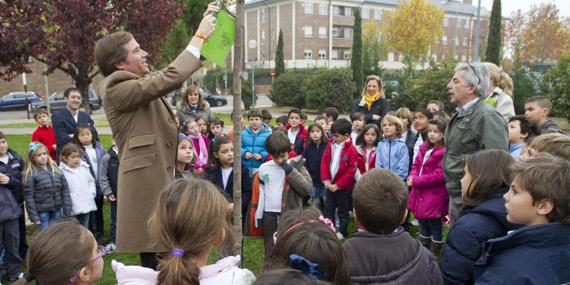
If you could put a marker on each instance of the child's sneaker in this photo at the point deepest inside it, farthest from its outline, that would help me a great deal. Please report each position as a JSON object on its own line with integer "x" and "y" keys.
{"x": 415, "y": 223}
{"x": 110, "y": 247}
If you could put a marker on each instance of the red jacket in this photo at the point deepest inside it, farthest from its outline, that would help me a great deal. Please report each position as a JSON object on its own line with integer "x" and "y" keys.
{"x": 46, "y": 136}
{"x": 362, "y": 160}
{"x": 344, "y": 177}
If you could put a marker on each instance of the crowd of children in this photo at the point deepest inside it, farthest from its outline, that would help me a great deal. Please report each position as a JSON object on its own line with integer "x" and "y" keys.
{"x": 514, "y": 227}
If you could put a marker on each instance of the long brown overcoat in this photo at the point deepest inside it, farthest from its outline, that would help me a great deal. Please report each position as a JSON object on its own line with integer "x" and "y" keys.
{"x": 145, "y": 131}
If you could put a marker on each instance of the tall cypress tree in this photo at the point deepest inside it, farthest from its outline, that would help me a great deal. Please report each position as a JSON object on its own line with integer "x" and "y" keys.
{"x": 494, "y": 40}
{"x": 279, "y": 60}
{"x": 356, "y": 60}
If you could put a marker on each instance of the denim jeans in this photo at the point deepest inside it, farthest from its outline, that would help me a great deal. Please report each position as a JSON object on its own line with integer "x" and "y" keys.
{"x": 113, "y": 221}
{"x": 341, "y": 200}
{"x": 318, "y": 196}
{"x": 9, "y": 241}
{"x": 49, "y": 218}
{"x": 83, "y": 219}
{"x": 431, "y": 228}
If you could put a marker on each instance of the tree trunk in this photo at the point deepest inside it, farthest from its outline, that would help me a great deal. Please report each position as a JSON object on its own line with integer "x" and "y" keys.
{"x": 238, "y": 46}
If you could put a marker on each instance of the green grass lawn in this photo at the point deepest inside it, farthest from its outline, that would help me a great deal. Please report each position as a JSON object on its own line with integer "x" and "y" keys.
{"x": 253, "y": 247}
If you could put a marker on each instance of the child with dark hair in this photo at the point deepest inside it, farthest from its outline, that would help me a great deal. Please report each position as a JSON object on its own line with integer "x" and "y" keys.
{"x": 338, "y": 168}
{"x": 331, "y": 113}
{"x": 536, "y": 110}
{"x": 520, "y": 132}
{"x": 384, "y": 253}
{"x": 358, "y": 120}
{"x": 253, "y": 140}
{"x": 215, "y": 128}
{"x": 421, "y": 124}
{"x": 317, "y": 143}
{"x": 281, "y": 121}
{"x": 283, "y": 183}
{"x": 486, "y": 180}
{"x": 366, "y": 144}
{"x": 266, "y": 116}
{"x": 285, "y": 277}
{"x": 322, "y": 120}
{"x": 296, "y": 130}
{"x": 306, "y": 241}
{"x": 200, "y": 144}
{"x": 304, "y": 117}
{"x": 538, "y": 253}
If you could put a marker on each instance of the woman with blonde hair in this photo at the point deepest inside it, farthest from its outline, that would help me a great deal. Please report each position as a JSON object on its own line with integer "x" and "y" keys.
{"x": 500, "y": 91}
{"x": 192, "y": 104}
{"x": 373, "y": 103}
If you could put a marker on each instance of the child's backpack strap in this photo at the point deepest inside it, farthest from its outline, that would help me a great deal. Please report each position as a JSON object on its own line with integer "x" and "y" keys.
{"x": 253, "y": 231}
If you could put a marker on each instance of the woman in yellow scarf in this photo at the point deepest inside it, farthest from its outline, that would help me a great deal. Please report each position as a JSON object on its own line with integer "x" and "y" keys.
{"x": 373, "y": 103}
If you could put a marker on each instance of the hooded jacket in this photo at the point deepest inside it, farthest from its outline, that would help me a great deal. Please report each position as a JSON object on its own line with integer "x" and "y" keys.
{"x": 81, "y": 188}
{"x": 45, "y": 191}
{"x": 11, "y": 193}
{"x": 465, "y": 240}
{"x": 254, "y": 142}
{"x": 392, "y": 154}
{"x": 396, "y": 258}
{"x": 185, "y": 111}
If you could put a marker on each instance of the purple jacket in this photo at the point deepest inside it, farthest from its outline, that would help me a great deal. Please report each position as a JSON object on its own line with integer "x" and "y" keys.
{"x": 428, "y": 198}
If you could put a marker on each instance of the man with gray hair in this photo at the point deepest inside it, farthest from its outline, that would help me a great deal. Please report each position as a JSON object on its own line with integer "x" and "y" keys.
{"x": 474, "y": 127}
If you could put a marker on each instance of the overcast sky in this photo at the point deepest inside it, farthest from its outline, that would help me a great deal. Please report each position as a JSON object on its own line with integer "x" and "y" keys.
{"x": 509, "y": 6}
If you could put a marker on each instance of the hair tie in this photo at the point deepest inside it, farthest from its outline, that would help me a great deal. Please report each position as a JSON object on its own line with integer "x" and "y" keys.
{"x": 177, "y": 252}
{"x": 322, "y": 220}
{"x": 306, "y": 266}
{"x": 33, "y": 147}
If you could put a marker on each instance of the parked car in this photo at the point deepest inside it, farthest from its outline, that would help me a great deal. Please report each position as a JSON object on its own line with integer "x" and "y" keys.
{"x": 56, "y": 101}
{"x": 213, "y": 100}
{"x": 18, "y": 100}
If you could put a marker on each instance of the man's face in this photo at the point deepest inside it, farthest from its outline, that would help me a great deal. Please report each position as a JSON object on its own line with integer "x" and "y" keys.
{"x": 136, "y": 59}
{"x": 460, "y": 91}
{"x": 73, "y": 100}
{"x": 42, "y": 120}
{"x": 534, "y": 113}
{"x": 294, "y": 120}
{"x": 3, "y": 147}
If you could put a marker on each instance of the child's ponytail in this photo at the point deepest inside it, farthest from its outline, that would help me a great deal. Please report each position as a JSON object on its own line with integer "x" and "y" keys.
{"x": 189, "y": 218}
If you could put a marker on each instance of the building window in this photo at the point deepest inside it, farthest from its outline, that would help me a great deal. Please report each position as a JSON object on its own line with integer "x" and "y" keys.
{"x": 334, "y": 54}
{"x": 465, "y": 23}
{"x": 308, "y": 54}
{"x": 323, "y": 9}
{"x": 336, "y": 10}
{"x": 347, "y": 33}
{"x": 463, "y": 58}
{"x": 464, "y": 41}
{"x": 322, "y": 32}
{"x": 308, "y": 31}
{"x": 445, "y": 21}
{"x": 365, "y": 13}
{"x": 262, "y": 35}
{"x": 348, "y": 11}
{"x": 262, "y": 15}
{"x": 322, "y": 54}
{"x": 377, "y": 14}
{"x": 308, "y": 8}
{"x": 335, "y": 32}
{"x": 444, "y": 40}
{"x": 347, "y": 54}
{"x": 456, "y": 41}
{"x": 262, "y": 55}
{"x": 457, "y": 22}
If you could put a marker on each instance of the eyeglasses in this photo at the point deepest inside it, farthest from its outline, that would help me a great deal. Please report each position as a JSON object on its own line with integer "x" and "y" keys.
{"x": 101, "y": 251}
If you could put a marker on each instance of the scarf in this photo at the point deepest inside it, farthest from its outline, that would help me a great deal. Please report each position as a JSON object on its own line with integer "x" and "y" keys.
{"x": 200, "y": 150}
{"x": 370, "y": 99}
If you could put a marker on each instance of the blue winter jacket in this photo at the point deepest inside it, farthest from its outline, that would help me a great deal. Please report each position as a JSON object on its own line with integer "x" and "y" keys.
{"x": 254, "y": 143}
{"x": 11, "y": 194}
{"x": 465, "y": 240}
{"x": 537, "y": 254}
{"x": 392, "y": 154}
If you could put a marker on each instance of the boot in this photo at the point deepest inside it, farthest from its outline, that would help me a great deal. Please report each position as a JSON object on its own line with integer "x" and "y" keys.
{"x": 425, "y": 241}
{"x": 435, "y": 248}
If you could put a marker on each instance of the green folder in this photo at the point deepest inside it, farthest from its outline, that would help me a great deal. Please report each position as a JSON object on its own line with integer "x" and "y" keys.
{"x": 220, "y": 43}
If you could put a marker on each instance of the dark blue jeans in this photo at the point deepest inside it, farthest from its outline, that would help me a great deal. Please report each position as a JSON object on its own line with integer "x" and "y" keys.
{"x": 9, "y": 241}
{"x": 341, "y": 200}
{"x": 431, "y": 228}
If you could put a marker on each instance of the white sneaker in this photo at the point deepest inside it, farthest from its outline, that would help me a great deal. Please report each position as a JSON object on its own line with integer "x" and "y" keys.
{"x": 110, "y": 247}
{"x": 339, "y": 236}
{"x": 415, "y": 223}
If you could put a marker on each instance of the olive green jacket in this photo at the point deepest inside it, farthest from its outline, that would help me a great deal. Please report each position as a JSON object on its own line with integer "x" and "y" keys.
{"x": 480, "y": 127}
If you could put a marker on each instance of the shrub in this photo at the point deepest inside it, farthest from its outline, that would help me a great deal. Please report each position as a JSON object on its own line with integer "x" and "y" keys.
{"x": 559, "y": 78}
{"x": 329, "y": 88}
{"x": 286, "y": 90}
{"x": 430, "y": 84}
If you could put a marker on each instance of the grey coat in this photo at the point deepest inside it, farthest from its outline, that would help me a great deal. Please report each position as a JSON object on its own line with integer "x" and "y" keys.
{"x": 45, "y": 191}
{"x": 480, "y": 127}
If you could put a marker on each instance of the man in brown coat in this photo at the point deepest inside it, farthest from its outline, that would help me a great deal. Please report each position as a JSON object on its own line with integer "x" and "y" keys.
{"x": 144, "y": 128}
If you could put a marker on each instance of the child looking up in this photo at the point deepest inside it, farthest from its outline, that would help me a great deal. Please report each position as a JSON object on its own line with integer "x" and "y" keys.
{"x": 45, "y": 189}
{"x": 538, "y": 198}
{"x": 253, "y": 139}
{"x": 520, "y": 131}
{"x": 185, "y": 158}
{"x": 200, "y": 143}
{"x": 44, "y": 132}
{"x": 314, "y": 154}
{"x": 338, "y": 168}
{"x": 189, "y": 220}
{"x": 486, "y": 180}
{"x": 392, "y": 153}
{"x": 65, "y": 253}
{"x": 428, "y": 197}
{"x": 366, "y": 146}
{"x": 80, "y": 182}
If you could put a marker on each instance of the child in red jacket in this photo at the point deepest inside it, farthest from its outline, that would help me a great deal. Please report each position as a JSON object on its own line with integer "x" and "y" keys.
{"x": 338, "y": 167}
{"x": 44, "y": 132}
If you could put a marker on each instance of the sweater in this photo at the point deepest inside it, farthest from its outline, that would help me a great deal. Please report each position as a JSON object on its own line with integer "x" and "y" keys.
{"x": 46, "y": 136}
{"x": 81, "y": 188}
{"x": 392, "y": 154}
{"x": 46, "y": 190}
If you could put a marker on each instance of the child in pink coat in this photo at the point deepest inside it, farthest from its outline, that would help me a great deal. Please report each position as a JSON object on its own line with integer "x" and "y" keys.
{"x": 428, "y": 197}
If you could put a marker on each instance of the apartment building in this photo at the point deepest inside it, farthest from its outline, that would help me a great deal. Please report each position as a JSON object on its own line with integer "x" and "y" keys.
{"x": 318, "y": 33}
